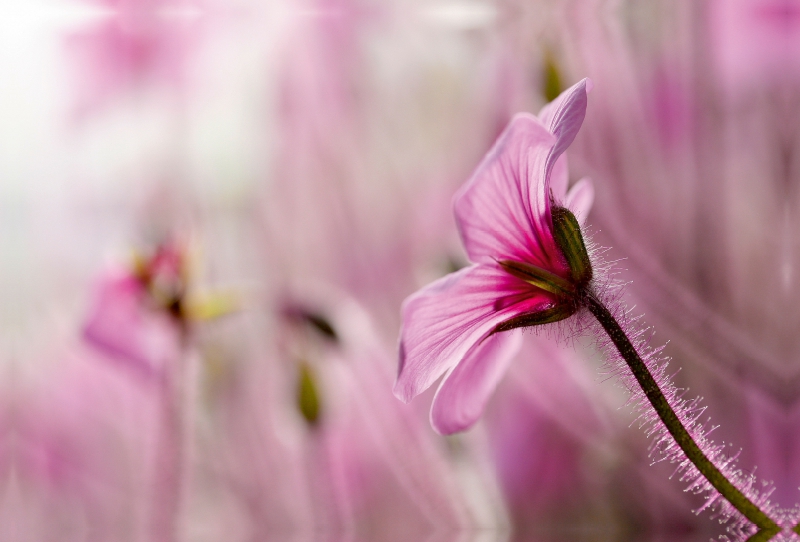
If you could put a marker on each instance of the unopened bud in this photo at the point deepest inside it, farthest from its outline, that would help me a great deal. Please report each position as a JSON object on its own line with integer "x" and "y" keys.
{"x": 308, "y": 400}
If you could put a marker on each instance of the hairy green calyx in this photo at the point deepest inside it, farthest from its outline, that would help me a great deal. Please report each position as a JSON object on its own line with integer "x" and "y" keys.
{"x": 568, "y": 236}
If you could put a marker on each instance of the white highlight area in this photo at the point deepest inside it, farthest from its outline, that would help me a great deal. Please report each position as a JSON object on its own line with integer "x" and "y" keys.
{"x": 461, "y": 15}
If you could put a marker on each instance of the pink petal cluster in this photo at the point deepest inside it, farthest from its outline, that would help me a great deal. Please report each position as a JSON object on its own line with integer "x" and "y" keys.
{"x": 503, "y": 213}
{"x": 128, "y": 324}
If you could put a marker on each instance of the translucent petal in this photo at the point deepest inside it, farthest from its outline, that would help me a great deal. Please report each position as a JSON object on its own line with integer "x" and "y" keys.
{"x": 503, "y": 212}
{"x": 447, "y": 319}
{"x": 563, "y": 117}
{"x": 559, "y": 179}
{"x": 580, "y": 198}
{"x": 463, "y": 394}
{"x": 122, "y": 325}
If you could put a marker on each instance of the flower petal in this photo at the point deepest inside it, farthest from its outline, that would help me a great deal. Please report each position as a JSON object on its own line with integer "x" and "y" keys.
{"x": 580, "y": 198}
{"x": 559, "y": 179}
{"x": 564, "y": 116}
{"x": 122, "y": 325}
{"x": 503, "y": 212}
{"x": 445, "y": 320}
{"x": 463, "y": 394}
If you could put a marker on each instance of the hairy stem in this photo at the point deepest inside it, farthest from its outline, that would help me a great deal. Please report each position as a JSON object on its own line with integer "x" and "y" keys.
{"x": 767, "y": 528}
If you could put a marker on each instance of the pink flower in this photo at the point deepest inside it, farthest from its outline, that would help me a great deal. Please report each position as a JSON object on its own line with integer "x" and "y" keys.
{"x": 136, "y": 314}
{"x": 139, "y": 42}
{"x": 459, "y": 325}
{"x": 124, "y": 325}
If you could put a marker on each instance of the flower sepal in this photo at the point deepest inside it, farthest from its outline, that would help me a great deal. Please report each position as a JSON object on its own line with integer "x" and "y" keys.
{"x": 541, "y": 278}
{"x": 561, "y": 311}
{"x": 568, "y": 237}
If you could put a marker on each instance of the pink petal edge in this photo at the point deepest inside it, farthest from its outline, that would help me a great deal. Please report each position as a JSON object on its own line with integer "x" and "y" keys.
{"x": 502, "y": 212}
{"x": 464, "y": 392}
{"x": 564, "y": 116}
{"x": 580, "y": 198}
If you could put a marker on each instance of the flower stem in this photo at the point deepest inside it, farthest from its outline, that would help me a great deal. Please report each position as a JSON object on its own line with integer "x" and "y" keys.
{"x": 767, "y": 528}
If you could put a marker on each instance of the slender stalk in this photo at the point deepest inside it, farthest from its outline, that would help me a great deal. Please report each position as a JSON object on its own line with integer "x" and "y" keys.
{"x": 169, "y": 472}
{"x": 767, "y": 528}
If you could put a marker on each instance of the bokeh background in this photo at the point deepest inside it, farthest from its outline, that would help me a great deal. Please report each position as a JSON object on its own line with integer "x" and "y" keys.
{"x": 211, "y": 211}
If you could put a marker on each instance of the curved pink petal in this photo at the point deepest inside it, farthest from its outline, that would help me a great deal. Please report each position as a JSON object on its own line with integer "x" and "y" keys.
{"x": 122, "y": 325}
{"x": 503, "y": 212}
{"x": 563, "y": 117}
{"x": 463, "y": 394}
{"x": 580, "y": 198}
{"x": 559, "y": 180}
{"x": 445, "y": 320}
{"x": 116, "y": 316}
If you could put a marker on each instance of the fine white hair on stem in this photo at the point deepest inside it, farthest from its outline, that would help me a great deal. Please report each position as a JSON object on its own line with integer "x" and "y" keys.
{"x": 608, "y": 290}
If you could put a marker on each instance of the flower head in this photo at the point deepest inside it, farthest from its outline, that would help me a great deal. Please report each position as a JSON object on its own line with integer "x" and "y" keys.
{"x": 518, "y": 225}
{"x": 134, "y": 316}
{"x": 141, "y": 312}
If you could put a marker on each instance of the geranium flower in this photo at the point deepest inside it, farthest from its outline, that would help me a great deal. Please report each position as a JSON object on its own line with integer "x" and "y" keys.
{"x": 459, "y": 325}
{"x": 531, "y": 267}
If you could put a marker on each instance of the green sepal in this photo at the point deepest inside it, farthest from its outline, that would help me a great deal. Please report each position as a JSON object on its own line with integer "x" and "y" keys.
{"x": 568, "y": 236}
{"x": 536, "y": 276}
{"x": 557, "y": 313}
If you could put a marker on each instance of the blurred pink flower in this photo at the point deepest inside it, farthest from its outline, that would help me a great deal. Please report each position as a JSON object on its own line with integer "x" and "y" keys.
{"x": 670, "y": 105}
{"x": 546, "y": 423}
{"x": 136, "y": 42}
{"x": 135, "y": 316}
{"x": 370, "y": 460}
{"x": 78, "y": 451}
{"x": 124, "y": 326}
{"x": 504, "y": 217}
{"x": 756, "y": 41}
{"x": 141, "y": 317}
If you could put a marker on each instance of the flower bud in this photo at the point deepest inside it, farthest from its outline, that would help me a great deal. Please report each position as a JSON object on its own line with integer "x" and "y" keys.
{"x": 308, "y": 400}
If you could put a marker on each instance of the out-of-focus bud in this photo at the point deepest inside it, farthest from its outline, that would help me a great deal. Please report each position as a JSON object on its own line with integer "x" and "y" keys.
{"x": 308, "y": 397}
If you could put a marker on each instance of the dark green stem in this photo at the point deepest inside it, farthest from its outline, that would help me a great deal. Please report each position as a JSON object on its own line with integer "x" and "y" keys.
{"x": 767, "y": 528}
